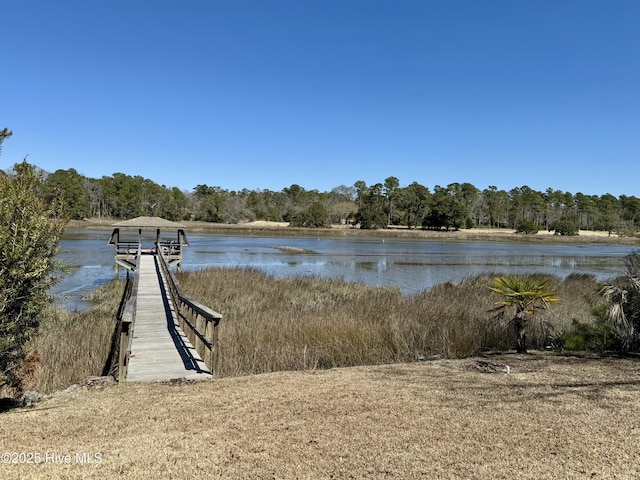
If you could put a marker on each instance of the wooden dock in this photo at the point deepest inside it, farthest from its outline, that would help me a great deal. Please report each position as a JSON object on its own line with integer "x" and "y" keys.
{"x": 160, "y": 350}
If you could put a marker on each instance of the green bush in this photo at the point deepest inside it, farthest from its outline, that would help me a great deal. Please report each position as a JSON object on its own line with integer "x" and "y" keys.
{"x": 565, "y": 226}
{"x": 527, "y": 226}
{"x": 29, "y": 234}
{"x": 469, "y": 223}
{"x": 316, "y": 216}
{"x": 596, "y": 337}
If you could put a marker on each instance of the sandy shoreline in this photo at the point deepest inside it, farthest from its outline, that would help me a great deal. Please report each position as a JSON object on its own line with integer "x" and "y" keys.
{"x": 282, "y": 229}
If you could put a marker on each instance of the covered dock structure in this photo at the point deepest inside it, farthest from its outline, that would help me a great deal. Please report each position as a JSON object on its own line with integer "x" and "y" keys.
{"x": 163, "y": 333}
{"x": 137, "y": 236}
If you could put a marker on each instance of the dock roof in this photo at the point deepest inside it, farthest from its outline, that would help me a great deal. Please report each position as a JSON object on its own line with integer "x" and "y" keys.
{"x": 148, "y": 222}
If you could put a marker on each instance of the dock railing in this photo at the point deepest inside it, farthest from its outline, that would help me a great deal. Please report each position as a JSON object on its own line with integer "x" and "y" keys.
{"x": 125, "y": 319}
{"x": 197, "y": 321}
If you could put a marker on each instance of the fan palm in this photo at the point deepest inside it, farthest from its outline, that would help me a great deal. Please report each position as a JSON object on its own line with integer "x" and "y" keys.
{"x": 525, "y": 294}
{"x": 623, "y": 301}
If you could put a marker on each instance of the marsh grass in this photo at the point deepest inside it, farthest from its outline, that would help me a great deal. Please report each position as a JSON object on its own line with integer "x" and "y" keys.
{"x": 311, "y": 323}
{"x": 72, "y": 346}
{"x": 307, "y": 323}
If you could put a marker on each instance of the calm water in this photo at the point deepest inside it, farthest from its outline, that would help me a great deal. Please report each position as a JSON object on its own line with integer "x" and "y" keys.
{"x": 410, "y": 264}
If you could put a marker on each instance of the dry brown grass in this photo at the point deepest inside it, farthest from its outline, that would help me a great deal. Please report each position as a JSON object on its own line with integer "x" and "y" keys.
{"x": 551, "y": 417}
{"x": 306, "y": 323}
{"x": 72, "y": 346}
{"x": 303, "y": 324}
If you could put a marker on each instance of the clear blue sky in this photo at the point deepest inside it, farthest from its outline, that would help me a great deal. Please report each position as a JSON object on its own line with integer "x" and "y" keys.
{"x": 266, "y": 93}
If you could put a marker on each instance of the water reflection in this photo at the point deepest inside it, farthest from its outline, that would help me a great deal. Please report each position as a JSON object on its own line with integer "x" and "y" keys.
{"x": 410, "y": 264}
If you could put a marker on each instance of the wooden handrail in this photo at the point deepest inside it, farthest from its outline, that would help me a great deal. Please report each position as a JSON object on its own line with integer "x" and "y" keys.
{"x": 126, "y": 319}
{"x": 199, "y": 322}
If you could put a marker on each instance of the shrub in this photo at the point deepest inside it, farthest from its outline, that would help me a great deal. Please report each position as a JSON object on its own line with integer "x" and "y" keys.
{"x": 527, "y": 226}
{"x": 29, "y": 235}
{"x": 316, "y": 216}
{"x": 596, "y": 337}
{"x": 565, "y": 226}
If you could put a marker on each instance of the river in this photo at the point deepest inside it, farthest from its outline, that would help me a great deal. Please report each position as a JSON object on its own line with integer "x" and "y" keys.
{"x": 412, "y": 265}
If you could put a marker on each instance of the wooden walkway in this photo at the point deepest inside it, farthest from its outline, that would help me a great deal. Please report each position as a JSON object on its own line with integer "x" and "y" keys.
{"x": 160, "y": 350}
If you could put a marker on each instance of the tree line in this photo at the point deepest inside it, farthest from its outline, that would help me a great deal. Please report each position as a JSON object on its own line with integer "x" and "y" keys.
{"x": 455, "y": 206}
{"x": 36, "y": 205}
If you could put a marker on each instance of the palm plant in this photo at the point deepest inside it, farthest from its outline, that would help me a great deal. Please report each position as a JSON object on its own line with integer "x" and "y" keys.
{"x": 525, "y": 294}
{"x": 623, "y": 299}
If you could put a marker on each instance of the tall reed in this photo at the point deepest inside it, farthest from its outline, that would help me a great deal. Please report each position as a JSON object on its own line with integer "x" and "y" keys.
{"x": 305, "y": 323}
{"x": 72, "y": 346}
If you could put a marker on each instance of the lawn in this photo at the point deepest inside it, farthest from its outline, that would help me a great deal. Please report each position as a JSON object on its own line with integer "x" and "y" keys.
{"x": 504, "y": 416}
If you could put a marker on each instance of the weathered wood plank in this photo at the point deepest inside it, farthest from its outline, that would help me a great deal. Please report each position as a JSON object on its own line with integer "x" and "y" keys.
{"x": 160, "y": 350}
